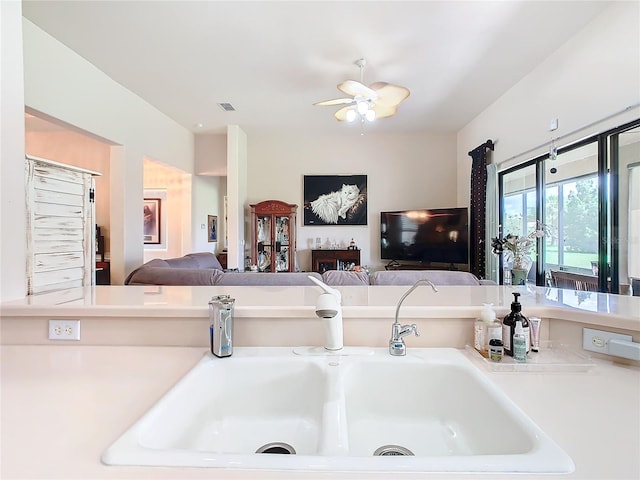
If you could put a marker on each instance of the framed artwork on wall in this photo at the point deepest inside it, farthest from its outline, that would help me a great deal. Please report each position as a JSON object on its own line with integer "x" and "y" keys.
{"x": 335, "y": 199}
{"x": 152, "y": 220}
{"x": 212, "y": 228}
{"x": 226, "y": 222}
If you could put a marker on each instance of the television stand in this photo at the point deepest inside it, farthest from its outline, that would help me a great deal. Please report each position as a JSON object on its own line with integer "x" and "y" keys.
{"x": 329, "y": 259}
{"x": 395, "y": 265}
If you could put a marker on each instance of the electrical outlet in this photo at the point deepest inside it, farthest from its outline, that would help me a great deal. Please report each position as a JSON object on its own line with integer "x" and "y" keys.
{"x": 598, "y": 340}
{"x": 64, "y": 329}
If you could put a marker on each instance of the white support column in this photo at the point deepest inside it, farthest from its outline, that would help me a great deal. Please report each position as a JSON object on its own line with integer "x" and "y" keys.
{"x": 236, "y": 195}
{"x": 127, "y": 248}
{"x": 12, "y": 151}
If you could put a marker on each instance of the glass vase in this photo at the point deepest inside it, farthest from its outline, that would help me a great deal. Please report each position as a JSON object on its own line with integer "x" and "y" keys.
{"x": 520, "y": 269}
{"x": 519, "y": 276}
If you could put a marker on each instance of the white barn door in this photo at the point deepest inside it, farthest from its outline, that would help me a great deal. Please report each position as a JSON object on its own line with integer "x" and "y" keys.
{"x": 60, "y": 226}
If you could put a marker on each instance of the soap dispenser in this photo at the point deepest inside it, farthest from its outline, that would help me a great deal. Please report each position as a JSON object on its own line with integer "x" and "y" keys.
{"x": 509, "y": 326}
{"x": 221, "y": 325}
{"x": 486, "y": 328}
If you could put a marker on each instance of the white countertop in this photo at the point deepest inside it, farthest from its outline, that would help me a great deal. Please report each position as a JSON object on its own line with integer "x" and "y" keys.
{"x": 620, "y": 311}
{"x": 62, "y": 406}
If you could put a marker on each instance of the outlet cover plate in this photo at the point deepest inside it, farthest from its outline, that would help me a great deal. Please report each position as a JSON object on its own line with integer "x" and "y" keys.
{"x": 598, "y": 340}
{"x": 64, "y": 329}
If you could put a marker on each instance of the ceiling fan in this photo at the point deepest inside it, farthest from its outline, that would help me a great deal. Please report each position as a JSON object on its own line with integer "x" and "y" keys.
{"x": 378, "y": 100}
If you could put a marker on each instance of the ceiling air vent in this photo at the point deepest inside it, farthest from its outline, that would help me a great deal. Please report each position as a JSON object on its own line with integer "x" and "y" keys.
{"x": 227, "y": 107}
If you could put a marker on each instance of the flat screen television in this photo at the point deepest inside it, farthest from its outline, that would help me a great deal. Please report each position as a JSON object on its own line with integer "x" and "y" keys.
{"x": 426, "y": 236}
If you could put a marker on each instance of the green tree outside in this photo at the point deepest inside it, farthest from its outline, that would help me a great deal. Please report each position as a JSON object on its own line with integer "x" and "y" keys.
{"x": 581, "y": 217}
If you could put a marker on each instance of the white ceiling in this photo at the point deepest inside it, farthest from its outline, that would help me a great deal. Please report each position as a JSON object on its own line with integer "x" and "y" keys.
{"x": 272, "y": 59}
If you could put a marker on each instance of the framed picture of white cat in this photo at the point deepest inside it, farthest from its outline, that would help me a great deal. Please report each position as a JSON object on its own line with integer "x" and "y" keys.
{"x": 335, "y": 200}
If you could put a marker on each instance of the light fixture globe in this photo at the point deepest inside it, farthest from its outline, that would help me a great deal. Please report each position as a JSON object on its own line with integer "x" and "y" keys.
{"x": 351, "y": 115}
{"x": 370, "y": 115}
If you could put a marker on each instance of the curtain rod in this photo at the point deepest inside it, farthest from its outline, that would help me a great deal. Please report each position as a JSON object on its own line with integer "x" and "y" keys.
{"x": 531, "y": 150}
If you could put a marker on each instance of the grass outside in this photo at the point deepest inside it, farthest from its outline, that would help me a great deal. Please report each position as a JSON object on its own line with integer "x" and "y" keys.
{"x": 571, "y": 259}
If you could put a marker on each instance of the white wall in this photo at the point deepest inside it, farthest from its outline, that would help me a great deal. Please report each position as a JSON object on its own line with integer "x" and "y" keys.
{"x": 595, "y": 74}
{"x": 209, "y": 188}
{"x": 63, "y": 85}
{"x": 12, "y": 207}
{"x": 207, "y": 200}
{"x": 403, "y": 171}
{"x": 210, "y": 152}
{"x": 173, "y": 187}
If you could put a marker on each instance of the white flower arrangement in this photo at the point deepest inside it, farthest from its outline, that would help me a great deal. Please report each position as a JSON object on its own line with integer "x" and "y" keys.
{"x": 518, "y": 249}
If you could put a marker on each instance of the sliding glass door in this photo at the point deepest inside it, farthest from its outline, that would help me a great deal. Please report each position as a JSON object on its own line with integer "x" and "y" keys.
{"x": 625, "y": 155}
{"x": 519, "y": 207}
{"x": 587, "y": 196}
{"x": 570, "y": 211}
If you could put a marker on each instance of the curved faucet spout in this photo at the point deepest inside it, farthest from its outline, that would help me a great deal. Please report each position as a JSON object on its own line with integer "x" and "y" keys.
{"x": 415, "y": 285}
{"x": 397, "y": 346}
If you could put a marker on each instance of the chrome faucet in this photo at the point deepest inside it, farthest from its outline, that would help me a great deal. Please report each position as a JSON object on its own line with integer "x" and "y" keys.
{"x": 397, "y": 346}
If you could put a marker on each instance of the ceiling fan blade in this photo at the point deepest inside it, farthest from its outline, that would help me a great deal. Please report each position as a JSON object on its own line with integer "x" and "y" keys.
{"x": 336, "y": 101}
{"x": 384, "y": 111}
{"x": 389, "y": 94}
{"x": 357, "y": 89}
{"x": 341, "y": 115}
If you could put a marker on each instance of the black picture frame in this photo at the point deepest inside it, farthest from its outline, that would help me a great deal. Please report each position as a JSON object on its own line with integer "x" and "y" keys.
{"x": 325, "y": 204}
{"x": 151, "y": 219}
{"x": 212, "y": 228}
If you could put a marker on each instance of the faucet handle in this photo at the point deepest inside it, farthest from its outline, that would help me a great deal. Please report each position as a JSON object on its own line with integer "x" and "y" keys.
{"x": 399, "y": 331}
{"x": 326, "y": 288}
{"x": 414, "y": 327}
{"x": 397, "y": 346}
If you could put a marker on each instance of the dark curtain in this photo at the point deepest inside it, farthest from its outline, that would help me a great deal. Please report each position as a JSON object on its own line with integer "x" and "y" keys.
{"x": 477, "y": 208}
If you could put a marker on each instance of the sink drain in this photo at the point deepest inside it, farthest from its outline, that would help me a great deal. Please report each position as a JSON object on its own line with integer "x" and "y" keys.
{"x": 392, "y": 450}
{"x": 277, "y": 447}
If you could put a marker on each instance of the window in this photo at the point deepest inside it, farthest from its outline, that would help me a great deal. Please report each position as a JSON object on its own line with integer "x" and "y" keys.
{"x": 571, "y": 211}
{"x": 581, "y": 197}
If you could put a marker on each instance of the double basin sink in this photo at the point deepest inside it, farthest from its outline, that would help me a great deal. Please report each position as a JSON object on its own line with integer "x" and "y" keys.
{"x": 363, "y": 410}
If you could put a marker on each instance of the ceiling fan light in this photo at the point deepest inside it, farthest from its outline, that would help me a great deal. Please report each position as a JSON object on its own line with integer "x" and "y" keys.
{"x": 363, "y": 107}
{"x": 366, "y": 103}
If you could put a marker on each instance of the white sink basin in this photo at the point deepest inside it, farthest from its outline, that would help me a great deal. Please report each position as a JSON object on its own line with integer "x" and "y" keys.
{"x": 239, "y": 406}
{"x": 431, "y": 411}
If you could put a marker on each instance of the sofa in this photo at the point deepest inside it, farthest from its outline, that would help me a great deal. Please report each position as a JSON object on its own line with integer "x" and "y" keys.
{"x": 192, "y": 269}
{"x": 204, "y": 269}
{"x": 437, "y": 277}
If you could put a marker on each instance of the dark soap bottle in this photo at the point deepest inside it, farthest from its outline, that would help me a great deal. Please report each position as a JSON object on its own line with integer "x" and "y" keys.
{"x": 509, "y": 325}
